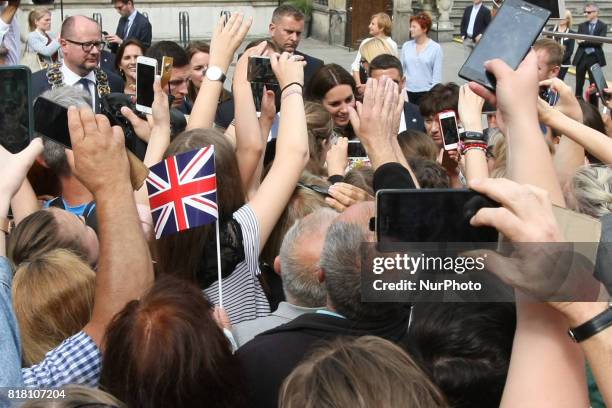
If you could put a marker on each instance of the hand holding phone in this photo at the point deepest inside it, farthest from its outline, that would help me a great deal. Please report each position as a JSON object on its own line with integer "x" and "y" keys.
{"x": 260, "y": 70}
{"x": 146, "y": 69}
{"x": 600, "y": 82}
{"x": 449, "y": 129}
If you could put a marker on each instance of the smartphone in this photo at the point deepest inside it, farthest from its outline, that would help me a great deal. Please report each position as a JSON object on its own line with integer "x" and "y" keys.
{"x": 260, "y": 71}
{"x": 166, "y": 71}
{"x": 16, "y": 122}
{"x": 549, "y": 95}
{"x": 430, "y": 215}
{"x": 600, "y": 82}
{"x": 146, "y": 69}
{"x": 509, "y": 37}
{"x": 226, "y": 14}
{"x": 51, "y": 121}
{"x": 356, "y": 150}
{"x": 449, "y": 129}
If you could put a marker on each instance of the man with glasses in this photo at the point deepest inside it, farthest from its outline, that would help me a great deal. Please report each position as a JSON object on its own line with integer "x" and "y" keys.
{"x": 178, "y": 86}
{"x": 589, "y": 53}
{"x": 132, "y": 24}
{"x": 81, "y": 42}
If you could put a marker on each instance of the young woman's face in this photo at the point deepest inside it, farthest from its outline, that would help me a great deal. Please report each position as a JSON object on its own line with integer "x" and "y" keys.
{"x": 44, "y": 23}
{"x": 199, "y": 65}
{"x": 337, "y": 101}
{"x": 128, "y": 61}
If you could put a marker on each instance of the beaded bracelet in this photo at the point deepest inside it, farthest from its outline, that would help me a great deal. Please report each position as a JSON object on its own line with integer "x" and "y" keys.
{"x": 465, "y": 146}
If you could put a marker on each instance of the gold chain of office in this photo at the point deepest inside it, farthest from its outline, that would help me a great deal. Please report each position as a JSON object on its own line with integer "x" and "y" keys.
{"x": 56, "y": 79}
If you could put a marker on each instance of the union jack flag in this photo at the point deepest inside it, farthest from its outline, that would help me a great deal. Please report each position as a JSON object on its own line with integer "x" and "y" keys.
{"x": 183, "y": 191}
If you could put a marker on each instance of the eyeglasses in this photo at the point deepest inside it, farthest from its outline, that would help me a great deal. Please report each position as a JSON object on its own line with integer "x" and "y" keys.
{"x": 88, "y": 46}
{"x": 590, "y": 11}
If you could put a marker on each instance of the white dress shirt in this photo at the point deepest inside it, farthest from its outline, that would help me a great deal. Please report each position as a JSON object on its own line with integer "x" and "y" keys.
{"x": 9, "y": 38}
{"x": 129, "y": 23}
{"x": 70, "y": 79}
{"x": 470, "y": 27}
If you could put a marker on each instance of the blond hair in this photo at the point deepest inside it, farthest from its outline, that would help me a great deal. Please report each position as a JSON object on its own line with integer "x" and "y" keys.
{"x": 375, "y": 47}
{"x": 364, "y": 372}
{"x": 320, "y": 124}
{"x": 384, "y": 23}
{"x": 569, "y": 18}
{"x": 36, "y": 14}
{"x": 53, "y": 298}
{"x": 498, "y": 141}
{"x": 592, "y": 187}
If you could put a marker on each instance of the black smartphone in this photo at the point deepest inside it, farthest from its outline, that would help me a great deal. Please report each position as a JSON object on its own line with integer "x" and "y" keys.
{"x": 597, "y": 76}
{"x": 449, "y": 129}
{"x": 430, "y": 215}
{"x": 509, "y": 37}
{"x": 16, "y": 123}
{"x": 226, "y": 14}
{"x": 260, "y": 70}
{"x": 146, "y": 68}
{"x": 51, "y": 121}
{"x": 356, "y": 150}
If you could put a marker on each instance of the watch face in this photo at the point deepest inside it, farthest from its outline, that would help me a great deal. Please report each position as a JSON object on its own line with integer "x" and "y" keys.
{"x": 214, "y": 73}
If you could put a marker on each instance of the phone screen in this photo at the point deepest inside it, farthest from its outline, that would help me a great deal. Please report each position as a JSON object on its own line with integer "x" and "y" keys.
{"x": 449, "y": 129}
{"x": 260, "y": 70}
{"x": 430, "y": 215}
{"x": 509, "y": 37}
{"x": 356, "y": 150}
{"x": 145, "y": 77}
{"x": 15, "y": 108}
{"x": 51, "y": 121}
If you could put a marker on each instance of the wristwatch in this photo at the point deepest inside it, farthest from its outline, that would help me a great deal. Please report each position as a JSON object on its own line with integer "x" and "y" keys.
{"x": 473, "y": 136}
{"x": 214, "y": 73}
{"x": 597, "y": 324}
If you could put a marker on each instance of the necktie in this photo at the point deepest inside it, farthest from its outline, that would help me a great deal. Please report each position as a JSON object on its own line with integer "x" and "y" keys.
{"x": 84, "y": 82}
{"x": 591, "y": 29}
{"x": 127, "y": 28}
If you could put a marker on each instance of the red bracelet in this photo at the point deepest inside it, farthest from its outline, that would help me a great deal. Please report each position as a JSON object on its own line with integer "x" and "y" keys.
{"x": 465, "y": 146}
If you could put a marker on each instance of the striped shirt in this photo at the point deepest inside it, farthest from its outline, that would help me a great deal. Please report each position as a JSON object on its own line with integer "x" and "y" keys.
{"x": 243, "y": 296}
{"x": 76, "y": 361}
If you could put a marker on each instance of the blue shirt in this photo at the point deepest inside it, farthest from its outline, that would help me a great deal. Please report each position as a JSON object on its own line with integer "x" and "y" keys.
{"x": 10, "y": 344}
{"x": 76, "y": 210}
{"x": 423, "y": 70}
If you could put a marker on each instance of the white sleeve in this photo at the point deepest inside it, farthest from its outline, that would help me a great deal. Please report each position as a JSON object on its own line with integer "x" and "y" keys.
{"x": 355, "y": 65}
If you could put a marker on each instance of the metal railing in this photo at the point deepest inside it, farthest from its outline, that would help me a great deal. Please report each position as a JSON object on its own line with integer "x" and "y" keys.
{"x": 589, "y": 38}
{"x": 184, "y": 28}
{"x": 98, "y": 18}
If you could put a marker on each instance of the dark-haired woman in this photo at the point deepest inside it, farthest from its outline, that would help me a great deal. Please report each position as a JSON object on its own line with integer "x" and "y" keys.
{"x": 421, "y": 58}
{"x": 335, "y": 88}
{"x": 125, "y": 63}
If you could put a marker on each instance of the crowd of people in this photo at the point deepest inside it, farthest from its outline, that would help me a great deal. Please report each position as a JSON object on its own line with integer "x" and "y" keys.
{"x": 264, "y": 307}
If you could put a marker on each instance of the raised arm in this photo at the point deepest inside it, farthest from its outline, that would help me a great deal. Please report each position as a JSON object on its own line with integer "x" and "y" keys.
{"x": 291, "y": 147}
{"x": 470, "y": 108}
{"x": 125, "y": 270}
{"x": 39, "y": 44}
{"x": 225, "y": 41}
{"x": 249, "y": 144}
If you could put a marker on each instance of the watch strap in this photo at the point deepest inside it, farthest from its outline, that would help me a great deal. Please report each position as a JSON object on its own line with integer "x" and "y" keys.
{"x": 597, "y": 324}
{"x": 475, "y": 136}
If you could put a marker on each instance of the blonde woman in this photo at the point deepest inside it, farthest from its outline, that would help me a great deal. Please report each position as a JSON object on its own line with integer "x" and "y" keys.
{"x": 380, "y": 27}
{"x": 53, "y": 298}
{"x": 373, "y": 49}
{"x": 40, "y": 40}
{"x": 565, "y": 26}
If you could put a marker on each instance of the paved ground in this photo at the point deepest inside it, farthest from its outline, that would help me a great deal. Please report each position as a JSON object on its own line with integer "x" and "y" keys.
{"x": 453, "y": 58}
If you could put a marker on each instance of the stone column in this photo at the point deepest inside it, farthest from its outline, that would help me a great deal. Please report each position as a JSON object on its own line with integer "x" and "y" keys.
{"x": 402, "y": 11}
{"x": 444, "y": 26}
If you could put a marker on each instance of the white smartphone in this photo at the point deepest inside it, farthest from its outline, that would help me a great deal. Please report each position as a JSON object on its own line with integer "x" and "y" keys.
{"x": 448, "y": 128}
{"x": 146, "y": 69}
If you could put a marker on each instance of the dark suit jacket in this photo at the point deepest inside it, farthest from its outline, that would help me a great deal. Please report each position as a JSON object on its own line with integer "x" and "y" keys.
{"x": 413, "y": 117}
{"x": 40, "y": 83}
{"x": 140, "y": 30}
{"x": 569, "y": 44}
{"x": 312, "y": 65}
{"x": 601, "y": 30}
{"x": 483, "y": 18}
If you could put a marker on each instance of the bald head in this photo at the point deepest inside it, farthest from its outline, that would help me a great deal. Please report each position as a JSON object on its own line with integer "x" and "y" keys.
{"x": 70, "y": 25}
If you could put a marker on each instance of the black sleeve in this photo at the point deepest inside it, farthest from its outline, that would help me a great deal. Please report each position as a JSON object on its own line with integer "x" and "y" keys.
{"x": 392, "y": 175}
{"x": 147, "y": 33}
{"x": 335, "y": 178}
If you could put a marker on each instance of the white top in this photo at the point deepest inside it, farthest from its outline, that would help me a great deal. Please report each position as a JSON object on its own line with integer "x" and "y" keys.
{"x": 70, "y": 78}
{"x": 356, "y": 64}
{"x": 243, "y": 296}
{"x": 470, "y": 27}
{"x": 10, "y": 38}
